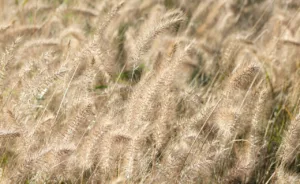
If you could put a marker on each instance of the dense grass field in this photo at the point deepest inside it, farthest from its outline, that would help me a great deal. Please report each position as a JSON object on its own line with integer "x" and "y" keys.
{"x": 150, "y": 91}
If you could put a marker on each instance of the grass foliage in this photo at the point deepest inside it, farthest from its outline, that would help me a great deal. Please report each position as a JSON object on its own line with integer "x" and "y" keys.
{"x": 152, "y": 91}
